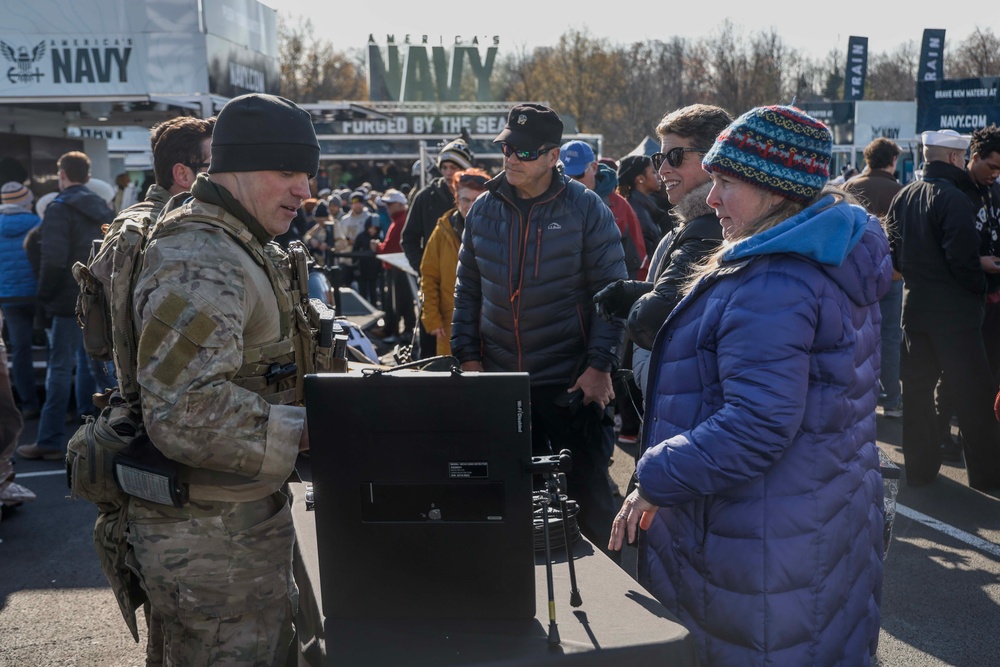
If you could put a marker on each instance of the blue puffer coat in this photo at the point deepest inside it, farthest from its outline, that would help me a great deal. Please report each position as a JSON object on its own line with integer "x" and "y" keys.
{"x": 17, "y": 278}
{"x": 530, "y": 307}
{"x": 760, "y": 447}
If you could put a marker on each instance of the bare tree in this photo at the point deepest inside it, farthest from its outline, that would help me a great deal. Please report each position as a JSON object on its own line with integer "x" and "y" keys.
{"x": 978, "y": 55}
{"x": 655, "y": 83}
{"x": 312, "y": 70}
{"x": 833, "y": 88}
{"x": 892, "y": 75}
{"x": 742, "y": 73}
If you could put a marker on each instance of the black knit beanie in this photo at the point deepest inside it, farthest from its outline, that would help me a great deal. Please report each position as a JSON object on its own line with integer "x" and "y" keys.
{"x": 631, "y": 167}
{"x": 264, "y": 133}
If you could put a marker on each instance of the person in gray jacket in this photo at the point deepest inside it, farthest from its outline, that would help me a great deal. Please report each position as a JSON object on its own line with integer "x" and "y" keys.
{"x": 536, "y": 248}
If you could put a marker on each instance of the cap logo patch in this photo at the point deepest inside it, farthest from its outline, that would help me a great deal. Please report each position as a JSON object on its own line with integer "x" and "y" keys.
{"x": 522, "y": 119}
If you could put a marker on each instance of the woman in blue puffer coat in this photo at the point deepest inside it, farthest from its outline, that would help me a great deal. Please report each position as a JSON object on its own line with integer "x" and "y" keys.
{"x": 758, "y": 483}
{"x": 17, "y": 289}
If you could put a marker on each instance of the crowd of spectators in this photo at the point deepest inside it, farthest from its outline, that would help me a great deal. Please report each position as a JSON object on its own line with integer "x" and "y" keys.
{"x": 753, "y": 308}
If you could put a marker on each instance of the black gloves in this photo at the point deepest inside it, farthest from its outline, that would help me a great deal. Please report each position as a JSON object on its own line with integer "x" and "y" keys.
{"x": 609, "y": 300}
{"x": 616, "y": 299}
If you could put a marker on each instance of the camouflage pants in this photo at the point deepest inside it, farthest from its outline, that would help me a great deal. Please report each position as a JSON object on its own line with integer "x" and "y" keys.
{"x": 218, "y": 576}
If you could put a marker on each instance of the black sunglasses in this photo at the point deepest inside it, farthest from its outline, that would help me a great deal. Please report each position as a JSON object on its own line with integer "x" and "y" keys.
{"x": 196, "y": 167}
{"x": 675, "y": 156}
{"x": 525, "y": 156}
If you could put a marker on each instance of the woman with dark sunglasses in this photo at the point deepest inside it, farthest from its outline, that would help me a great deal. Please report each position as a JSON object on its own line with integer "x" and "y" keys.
{"x": 685, "y": 135}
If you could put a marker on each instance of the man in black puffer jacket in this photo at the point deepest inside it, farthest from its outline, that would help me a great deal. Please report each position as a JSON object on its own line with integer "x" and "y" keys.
{"x": 72, "y": 222}
{"x": 536, "y": 249}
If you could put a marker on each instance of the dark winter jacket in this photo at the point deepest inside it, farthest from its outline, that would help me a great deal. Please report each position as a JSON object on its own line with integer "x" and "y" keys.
{"x": 650, "y": 217}
{"x": 636, "y": 260}
{"x": 426, "y": 209}
{"x": 72, "y": 222}
{"x": 524, "y": 296}
{"x": 760, "y": 447}
{"x": 986, "y": 204}
{"x": 698, "y": 235}
{"x": 17, "y": 278}
{"x": 935, "y": 245}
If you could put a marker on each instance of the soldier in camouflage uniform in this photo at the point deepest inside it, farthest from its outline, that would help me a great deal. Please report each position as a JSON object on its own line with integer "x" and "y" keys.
{"x": 215, "y": 350}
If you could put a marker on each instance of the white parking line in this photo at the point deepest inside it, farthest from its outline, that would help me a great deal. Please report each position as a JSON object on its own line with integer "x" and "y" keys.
{"x": 949, "y": 530}
{"x": 41, "y": 473}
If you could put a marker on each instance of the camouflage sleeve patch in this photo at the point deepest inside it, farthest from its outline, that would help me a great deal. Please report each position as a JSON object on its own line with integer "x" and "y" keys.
{"x": 174, "y": 315}
{"x": 180, "y": 337}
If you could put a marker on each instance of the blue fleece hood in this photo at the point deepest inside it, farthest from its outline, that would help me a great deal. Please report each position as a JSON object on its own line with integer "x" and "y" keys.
{"x": 824, "y": 232}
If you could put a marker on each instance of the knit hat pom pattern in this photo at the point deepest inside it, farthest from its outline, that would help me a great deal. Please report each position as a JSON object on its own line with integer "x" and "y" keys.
{"x": 456, "y": 151}
{"x": 16, "y": 194}
{"x": 779, "y": 149}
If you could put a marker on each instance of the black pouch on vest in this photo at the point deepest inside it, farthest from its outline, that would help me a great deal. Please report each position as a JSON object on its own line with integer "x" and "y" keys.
{"x": 142, "y": 470}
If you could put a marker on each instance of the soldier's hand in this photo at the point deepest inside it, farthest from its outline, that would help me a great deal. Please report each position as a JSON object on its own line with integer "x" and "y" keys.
{"x": 610, "y": 300}
{"x": 472, "y": 366}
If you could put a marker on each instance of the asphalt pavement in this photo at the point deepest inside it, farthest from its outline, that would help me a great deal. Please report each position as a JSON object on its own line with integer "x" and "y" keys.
{"x": 939, "y": 606}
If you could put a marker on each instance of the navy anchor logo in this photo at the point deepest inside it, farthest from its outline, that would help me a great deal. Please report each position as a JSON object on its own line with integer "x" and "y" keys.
{"x": 21, "y": 71}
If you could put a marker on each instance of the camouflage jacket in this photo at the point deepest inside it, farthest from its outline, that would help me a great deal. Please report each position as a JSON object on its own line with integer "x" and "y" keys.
{"x": 206, "y": 306}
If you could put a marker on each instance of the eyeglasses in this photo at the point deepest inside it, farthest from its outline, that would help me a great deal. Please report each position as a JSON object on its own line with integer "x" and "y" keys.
{"x": 525, "y": 156}
{"x": 675, "y": 156}
{"x": 198, "y": 167}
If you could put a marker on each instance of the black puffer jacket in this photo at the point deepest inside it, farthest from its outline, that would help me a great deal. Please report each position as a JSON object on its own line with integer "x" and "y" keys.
{"x": 72, "y": 222}
{"x": 537, "y": 314}
{"x": 426, "y": 209}
{"x": 680, "y": 251}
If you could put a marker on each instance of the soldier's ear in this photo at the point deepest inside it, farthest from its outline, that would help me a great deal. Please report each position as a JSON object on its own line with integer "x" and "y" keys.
{"x": 182, "y": 175}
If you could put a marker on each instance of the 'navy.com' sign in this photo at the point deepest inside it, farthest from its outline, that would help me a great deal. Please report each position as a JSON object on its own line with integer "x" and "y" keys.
{"x": 964, "y": 105}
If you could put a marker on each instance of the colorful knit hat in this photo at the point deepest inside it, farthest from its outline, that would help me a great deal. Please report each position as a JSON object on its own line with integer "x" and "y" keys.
{"x": 17, "y": 194}
{"x": 779, "y": 149}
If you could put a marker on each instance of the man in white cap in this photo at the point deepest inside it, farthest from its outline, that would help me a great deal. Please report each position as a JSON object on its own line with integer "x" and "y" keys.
{"x": 935, "y": 245}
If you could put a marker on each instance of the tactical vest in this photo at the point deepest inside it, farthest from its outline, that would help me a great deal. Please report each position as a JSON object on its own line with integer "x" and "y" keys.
{"x": 273, "y": 371}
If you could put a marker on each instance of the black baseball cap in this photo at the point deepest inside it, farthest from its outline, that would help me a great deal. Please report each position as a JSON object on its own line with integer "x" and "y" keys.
{"x": 530, "y": 126}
